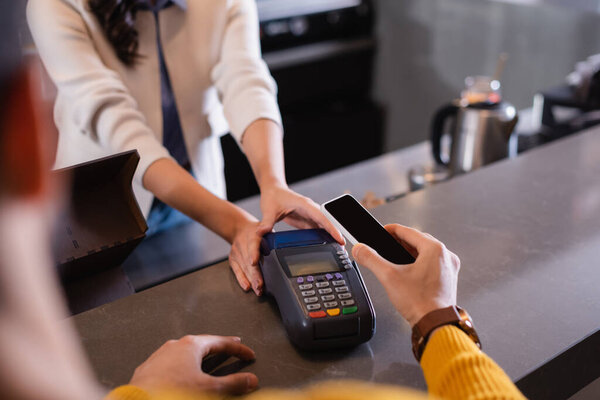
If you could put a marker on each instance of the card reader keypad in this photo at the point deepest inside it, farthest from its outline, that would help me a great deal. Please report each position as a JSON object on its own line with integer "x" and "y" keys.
{"x": 329, "y": 298}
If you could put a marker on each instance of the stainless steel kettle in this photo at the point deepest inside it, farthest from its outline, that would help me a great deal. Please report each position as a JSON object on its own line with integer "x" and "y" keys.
{"x": 480, "y": 131}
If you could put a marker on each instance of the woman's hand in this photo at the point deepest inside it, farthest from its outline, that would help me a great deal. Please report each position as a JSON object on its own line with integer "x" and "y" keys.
{"x": 415, "y": 289}
{"x": 178, "y": 364}
{"x": 278, "y": 202}
{"x": 244, "y": 255}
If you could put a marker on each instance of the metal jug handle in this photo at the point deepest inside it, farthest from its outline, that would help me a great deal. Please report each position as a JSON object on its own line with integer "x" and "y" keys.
{"x": 512, "y": 140}
{"x": 437, "y": 130}
{"x": 511, "y": 126}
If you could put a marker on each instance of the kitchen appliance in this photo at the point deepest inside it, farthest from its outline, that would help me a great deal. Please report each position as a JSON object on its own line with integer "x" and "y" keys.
{"x": 481, "y": 126}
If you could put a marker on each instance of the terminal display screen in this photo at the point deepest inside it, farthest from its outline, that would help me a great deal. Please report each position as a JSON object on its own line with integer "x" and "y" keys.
{"x": 311, "y": 263}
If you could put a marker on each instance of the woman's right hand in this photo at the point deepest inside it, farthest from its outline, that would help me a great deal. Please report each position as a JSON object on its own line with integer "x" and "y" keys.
{"x": 245, "y": 254}
{"x": 419, "y": 288}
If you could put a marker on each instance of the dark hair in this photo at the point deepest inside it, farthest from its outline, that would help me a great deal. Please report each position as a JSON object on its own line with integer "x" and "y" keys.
{"x": 117, "y": 19}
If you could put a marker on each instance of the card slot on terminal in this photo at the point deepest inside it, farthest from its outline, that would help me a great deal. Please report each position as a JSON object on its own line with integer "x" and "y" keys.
{"x": 335, "y": 327}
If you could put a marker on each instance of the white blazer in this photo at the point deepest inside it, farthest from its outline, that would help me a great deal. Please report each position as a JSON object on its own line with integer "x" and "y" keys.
{"x": 103, "y": 107}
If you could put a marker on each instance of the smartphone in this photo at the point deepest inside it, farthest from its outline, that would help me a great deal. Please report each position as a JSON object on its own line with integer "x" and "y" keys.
{"x": 359, "y": 226}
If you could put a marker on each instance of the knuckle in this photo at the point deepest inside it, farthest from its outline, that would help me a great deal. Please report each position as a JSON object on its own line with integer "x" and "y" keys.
{"x": 456, "y": 260}
{"x": 188, "y": 339}
{"x": 217, "y": 386}
{"x": 437, "y": 247}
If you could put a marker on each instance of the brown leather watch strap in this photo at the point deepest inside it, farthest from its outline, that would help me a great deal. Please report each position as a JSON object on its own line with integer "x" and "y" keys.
{"x": 452, "y": 315}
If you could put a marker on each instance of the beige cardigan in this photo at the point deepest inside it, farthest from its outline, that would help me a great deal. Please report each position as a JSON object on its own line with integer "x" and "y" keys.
{"x": 213, "y": 56}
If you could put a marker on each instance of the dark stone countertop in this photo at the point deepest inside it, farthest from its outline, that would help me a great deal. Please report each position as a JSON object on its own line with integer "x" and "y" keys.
{"x": 528, "y": 233}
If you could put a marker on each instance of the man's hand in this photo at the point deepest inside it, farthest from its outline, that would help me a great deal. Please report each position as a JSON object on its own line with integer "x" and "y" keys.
{"x": 281, "y": 203}
{"x": 244, "y": 256}
{"x": 177, "y": 364}
{"x": 415, "y": 289}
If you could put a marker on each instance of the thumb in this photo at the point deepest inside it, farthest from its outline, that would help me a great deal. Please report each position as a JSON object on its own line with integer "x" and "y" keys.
{"x": 369, "y": 258}
{"x": 239, "y": 383}
{"x": 266, "y": 225}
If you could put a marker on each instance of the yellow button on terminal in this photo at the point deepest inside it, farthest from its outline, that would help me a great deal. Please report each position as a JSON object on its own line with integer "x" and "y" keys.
{"x": 333, "y": 312}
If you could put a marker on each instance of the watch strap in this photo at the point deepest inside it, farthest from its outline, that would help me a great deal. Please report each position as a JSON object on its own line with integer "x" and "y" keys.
{"x": 452, "y": 315}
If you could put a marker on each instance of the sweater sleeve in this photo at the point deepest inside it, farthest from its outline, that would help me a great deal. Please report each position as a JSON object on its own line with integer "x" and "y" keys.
{"x": 455, "y": 368}
{"x": 128, "y": 392}
{"x": 334, "y": 390}
{"x": 100, "y": 103}
{"x": 242, "y": 78}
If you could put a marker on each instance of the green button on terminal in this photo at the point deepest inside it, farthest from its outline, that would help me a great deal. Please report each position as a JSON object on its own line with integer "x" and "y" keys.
{"x": 349, "y": 310}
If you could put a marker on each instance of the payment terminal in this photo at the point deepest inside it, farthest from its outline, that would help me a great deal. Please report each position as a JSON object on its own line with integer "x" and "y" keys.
{"x": 321, "y": 296}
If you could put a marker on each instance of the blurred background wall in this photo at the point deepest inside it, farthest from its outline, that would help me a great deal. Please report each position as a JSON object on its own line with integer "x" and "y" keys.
{"x": 427, "y": 47}
{"x": 359, "y": 81}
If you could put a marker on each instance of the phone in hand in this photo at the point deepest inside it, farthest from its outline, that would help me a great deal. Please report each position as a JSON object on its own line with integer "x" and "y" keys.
{"x": 359, "y": 226}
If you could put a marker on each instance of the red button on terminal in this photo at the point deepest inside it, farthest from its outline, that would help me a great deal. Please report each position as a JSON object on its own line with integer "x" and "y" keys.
{"x": 317, "y": 314}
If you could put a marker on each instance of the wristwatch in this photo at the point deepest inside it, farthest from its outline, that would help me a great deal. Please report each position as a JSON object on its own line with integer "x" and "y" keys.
{"x": 453, "y": 315}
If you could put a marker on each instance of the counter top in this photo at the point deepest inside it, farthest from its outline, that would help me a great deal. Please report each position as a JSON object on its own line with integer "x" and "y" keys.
{"x": 192, "y": 246}
{"x": 527, "y": 232}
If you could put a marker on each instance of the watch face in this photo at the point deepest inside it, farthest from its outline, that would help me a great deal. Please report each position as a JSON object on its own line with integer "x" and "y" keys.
{"x": 466, "y": 325}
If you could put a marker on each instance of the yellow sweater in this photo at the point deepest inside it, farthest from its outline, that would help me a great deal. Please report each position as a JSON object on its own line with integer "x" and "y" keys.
{"x": 453, "y": 366}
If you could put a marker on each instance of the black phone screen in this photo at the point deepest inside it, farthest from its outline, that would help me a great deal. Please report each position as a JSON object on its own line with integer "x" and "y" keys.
{"x": 366, "y": 229}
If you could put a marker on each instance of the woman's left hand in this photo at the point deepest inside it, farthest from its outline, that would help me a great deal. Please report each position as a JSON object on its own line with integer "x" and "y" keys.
{"x": 244, "y": 256}
{"x": 281, "y": 203}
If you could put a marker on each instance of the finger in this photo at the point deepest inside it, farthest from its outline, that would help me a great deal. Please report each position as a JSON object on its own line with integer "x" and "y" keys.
{"x": 411, "y": 250}
{"x": 333, "y": 231}
{"x": 414, "y": 238}
{"x": 299, "y": 222}
{"x": 250, "y": 266}
{"x": 253, "y": 249}
{"x": 314, "y": 214}
{"x": 368, "y": 257}
{"x": 253, "y": 276}
{"x": 224, "y": 345}
{"x": 238, "y": 383}
{"x": 239, "y": 275}
{"x": 254, "y": 270}
{"x": 267, "y": 223}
